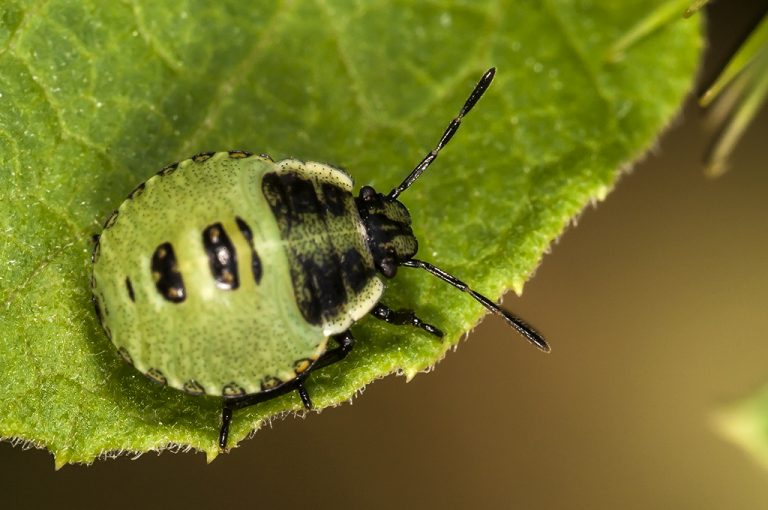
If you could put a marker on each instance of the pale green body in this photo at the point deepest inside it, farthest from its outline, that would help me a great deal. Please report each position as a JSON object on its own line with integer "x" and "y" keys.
{"x": 214, "y": 338}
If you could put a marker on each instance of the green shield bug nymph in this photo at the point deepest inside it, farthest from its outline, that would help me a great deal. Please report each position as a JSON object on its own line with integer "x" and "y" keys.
{"x": 228, "y": 273}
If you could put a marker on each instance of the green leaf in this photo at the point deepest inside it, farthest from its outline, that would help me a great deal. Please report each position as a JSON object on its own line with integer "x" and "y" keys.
{"x": 96, "y": 97}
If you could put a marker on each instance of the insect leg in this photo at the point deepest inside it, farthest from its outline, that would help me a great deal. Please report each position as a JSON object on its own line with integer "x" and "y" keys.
{"x": 346, "y": 343}
{"x": 226, "y": 419}
{"x": 403, "y": 318}
{"x": 304, "y": 395}
{"x": 231, "y": 404}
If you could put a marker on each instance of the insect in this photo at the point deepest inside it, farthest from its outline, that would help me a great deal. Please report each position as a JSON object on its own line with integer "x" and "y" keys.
{"x": 235, "y": 275}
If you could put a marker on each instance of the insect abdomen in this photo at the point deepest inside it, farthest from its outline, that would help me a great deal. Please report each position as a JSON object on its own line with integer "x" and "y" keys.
{"x": 210, "y": 306}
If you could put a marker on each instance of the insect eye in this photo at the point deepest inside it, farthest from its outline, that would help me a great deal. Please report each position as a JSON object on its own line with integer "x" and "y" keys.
{"x": 388, "y": 267}
{"x": 367, "y": 193}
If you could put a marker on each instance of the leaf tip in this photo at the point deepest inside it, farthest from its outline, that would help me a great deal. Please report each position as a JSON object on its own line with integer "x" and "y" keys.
{"x": 211, "y": 455}
{"x": 59, "y": 461}
{"x": 410, "y": 373}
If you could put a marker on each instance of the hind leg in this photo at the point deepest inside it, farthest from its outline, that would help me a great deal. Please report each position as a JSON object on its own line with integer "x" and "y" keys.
{"x": 346, "y": 342}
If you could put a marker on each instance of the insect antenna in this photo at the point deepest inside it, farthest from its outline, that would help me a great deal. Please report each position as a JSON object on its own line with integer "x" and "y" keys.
{"x": 476, "y": 94}
{"x": 524, "y": 329}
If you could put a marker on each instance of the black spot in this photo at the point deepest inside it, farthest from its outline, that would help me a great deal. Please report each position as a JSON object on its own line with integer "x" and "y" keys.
{"x": 168, "y": 169}
{"x": 203, "y": 156}
{"x": 166, "y": 275}
{"x": 129, "y": 287}
{"x": 270, "y": 383}
{"x": 356, "y": 273}
{"x": 123, "y": 352}
{"x": 193, "y": 387}
{"x": 222, "y": 257}
{"x": 232, "y": 390}
{"x": 335, "y": 199}
{"x": 239, "y": 154}
{"x": 111, "y": 220}
{"x": 255, "y": 260}
{"x": 323, "y": 294}
{"x": 290, "y": 196}
{"x": 137, "y": 190}
{"x": 157, "y": 376}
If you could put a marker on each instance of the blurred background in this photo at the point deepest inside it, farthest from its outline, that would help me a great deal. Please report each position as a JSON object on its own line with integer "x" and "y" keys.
{"x": 655, "y": 304}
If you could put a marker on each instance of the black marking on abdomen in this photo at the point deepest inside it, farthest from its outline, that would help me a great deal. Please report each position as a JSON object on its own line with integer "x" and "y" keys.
{"x": 203, "y": 156}
{"x": 96, "y": 248}
{"x": 232, "y": 390}
{"x": 168, "y": 169}
{"x": 111, "y": 220}
{"x": 165, "y": 273}
{"x": 97, "y": 307}
{"x": 356, "y": 272}
{"x": 255, "y": 260}
{"x": 137, "y": 190}
{"x": 125, "y": 355}
{"x": 239, "y": 154}
{"x": 270, "y": 383}
{"x": 129, "y": 287}
{"x": 222, "y": 257}
{"x": 193, "y": 387}
{"x": 290, "y": 196}
{"x": 156, "y": 376}
{"x": 335, "y": 199}
{"x": 319, "y": 287}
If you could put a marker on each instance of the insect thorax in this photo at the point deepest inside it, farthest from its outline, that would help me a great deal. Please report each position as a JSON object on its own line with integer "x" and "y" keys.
{"x": 388, "y": 225}
{"x": 332, "y": 268}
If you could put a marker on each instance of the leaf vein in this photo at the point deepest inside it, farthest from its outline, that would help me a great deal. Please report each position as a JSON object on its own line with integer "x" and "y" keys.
{"x": 578, "y": 51}
{"x": 238, "y": 73}
{"x": 166, "y": 56}
{"x": 363, "y": 103}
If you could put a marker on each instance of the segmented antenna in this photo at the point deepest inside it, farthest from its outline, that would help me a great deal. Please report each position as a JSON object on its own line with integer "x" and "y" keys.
{"x": 476, "y": 94}
{"x": 524, "y": 329}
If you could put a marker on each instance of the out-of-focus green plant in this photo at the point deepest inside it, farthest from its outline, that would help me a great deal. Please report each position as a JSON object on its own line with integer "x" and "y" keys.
{"x": 733, "y": 100}
{"x": 736, "y": 96}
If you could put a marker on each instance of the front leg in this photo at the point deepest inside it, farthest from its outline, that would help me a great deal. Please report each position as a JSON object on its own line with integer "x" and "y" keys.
{"x": 403, "y": 318}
